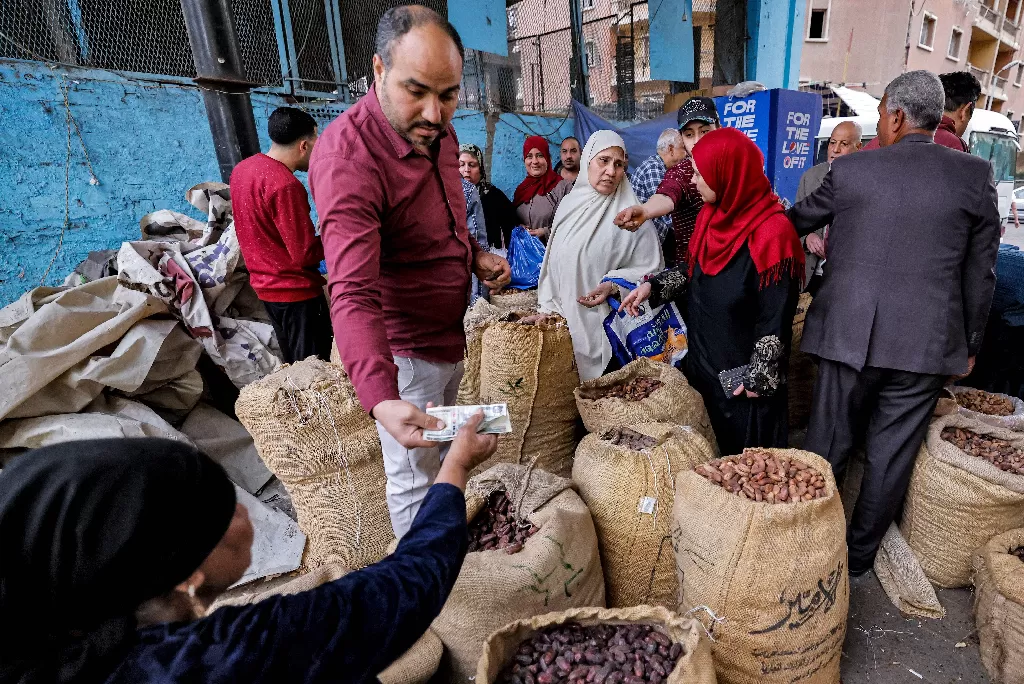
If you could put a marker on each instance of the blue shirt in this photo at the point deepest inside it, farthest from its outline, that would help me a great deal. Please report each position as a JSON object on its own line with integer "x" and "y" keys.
{"x": 348, "y": 630}
{"x": 645, "y": 183}
{"x": 478, "y": 229}
{"x": 1008, "y": 299}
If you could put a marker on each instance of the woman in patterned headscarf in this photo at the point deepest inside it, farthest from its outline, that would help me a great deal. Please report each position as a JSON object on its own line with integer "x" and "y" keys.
{"x": 499, "y": 214}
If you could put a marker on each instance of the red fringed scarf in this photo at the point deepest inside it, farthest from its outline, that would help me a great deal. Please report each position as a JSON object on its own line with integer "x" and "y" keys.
{"x": 542, "y": 185}
{"x": 746, "y": 211}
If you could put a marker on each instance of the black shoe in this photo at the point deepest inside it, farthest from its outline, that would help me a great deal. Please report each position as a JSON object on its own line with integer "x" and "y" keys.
{"x": 857, "y": 572}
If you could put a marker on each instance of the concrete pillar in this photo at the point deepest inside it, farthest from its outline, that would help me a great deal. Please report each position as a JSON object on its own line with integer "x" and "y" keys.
{"x": 775, "y": 32}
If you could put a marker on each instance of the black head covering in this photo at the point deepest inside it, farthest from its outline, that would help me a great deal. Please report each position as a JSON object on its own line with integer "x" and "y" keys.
{"x": 90, "y": 530}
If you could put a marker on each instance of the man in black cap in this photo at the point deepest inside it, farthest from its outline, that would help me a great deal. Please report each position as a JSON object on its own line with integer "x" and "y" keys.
{"x": 677, "y": 194}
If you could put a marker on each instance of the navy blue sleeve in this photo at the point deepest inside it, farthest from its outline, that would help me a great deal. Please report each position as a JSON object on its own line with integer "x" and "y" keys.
{"x": 344, "y": 631}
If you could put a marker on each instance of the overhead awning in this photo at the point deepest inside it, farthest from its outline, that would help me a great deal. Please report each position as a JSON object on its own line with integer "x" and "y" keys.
{"x": 860, "y": 102}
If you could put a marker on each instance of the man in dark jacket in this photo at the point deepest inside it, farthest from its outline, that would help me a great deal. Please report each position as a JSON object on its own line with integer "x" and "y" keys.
{"x": 909, "y": 280}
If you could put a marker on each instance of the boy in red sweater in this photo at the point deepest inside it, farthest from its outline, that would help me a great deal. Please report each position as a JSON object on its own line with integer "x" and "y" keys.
{"x": 279, "y": 244}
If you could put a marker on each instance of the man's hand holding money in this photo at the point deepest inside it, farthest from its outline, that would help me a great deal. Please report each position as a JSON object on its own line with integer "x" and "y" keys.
{"x": 469, "y": 450}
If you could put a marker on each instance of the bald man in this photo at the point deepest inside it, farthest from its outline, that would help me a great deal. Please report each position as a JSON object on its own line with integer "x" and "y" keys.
{"x": 846, "y": 139}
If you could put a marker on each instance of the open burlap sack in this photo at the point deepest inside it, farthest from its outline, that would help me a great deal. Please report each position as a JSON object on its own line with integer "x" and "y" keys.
{"x": 956, "y": 502}
{"x": 515, "y": 300}
{"x": 799, "y": 317}
{"x": 903, "y": 579}
{"x": 311, "y": 431}
{"x": 1014, "y": 421}
{"x": 999, "y": 606}
{"x": 695, "y": 666}
{"x": 416, "y": 666}
{"x": 775, "y": 575}
{"x": 630, "y": 495}
{"x": 558, "y": 568}
{"x": 532, "y": 368}
{"x": 674, "y": 402}
{"x": 476, "y": 320}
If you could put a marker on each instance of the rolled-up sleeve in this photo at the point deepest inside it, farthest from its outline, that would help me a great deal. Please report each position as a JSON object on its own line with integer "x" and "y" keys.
{"x": 349, "y": 200}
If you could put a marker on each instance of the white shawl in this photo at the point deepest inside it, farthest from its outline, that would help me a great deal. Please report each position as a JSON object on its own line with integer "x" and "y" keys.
{"x": 585, "y": 247}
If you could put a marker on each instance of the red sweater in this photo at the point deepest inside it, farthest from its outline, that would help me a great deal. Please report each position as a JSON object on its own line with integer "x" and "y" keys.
{"x": 281, "y": 249}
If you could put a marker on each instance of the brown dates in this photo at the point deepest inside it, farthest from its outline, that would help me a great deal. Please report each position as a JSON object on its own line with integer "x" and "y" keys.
{"x": 495, "y": 527}
{"x": 762, "y": 476}
{"x": 983, "y": 402}
{"x": 631, "y": 439}
{"x": 998, "y": 452}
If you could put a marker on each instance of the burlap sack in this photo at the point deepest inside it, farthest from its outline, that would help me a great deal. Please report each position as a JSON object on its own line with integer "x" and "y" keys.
{"x": 956, "y": 502}
{"x": 1014, "y": 421}
{"x": 311, "y": 431}
{"x": 558, "y": 568}
{"x": 903, "y": 580}
{"x": 476, "y": 320}
{"x": 695, "y": 666}
{"x": 532, "y": 368}
{"x": 999, "y": 607}
{"x": 774, "y": 574}
{"x": 675, "y": 402}
{"x": 416, "y": 666}
{"x": 803, "y": 303}
{"x": 515, "y": 300}
{"x": 630, "y": 495}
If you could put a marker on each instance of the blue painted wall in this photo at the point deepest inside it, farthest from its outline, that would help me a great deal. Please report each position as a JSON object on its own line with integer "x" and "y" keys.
{"x": 147, "y": 143}
{"x": 775, "y": 30}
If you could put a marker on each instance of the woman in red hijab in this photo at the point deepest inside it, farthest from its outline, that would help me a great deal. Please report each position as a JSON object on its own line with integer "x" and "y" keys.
{"x": 741, "y": 282}
{"x": 538, "y": 196}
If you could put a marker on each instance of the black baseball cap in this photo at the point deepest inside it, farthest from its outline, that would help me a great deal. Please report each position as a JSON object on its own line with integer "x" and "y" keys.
{"x": 698, "y": 109}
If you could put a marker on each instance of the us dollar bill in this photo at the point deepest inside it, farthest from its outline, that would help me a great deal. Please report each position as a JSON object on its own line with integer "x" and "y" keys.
{"x": 496, "y": 421}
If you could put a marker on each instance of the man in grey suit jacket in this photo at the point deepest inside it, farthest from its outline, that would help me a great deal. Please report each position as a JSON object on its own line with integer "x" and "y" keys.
{"x": 912, "y": 247}
{"x": 845, "y": 139}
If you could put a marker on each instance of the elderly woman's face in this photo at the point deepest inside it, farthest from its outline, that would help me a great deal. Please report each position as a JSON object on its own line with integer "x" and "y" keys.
{"x": 607, "y": 169}
{"x": 536, "y": 164}
{"x": 469, "y": 167}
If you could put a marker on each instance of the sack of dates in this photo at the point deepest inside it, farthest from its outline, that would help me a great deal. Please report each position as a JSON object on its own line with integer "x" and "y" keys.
{"x": 644, "y": 391}
{"x": 511, "y": 299}
{"x": 999, "y": 606}
{"x": 531, "y": 368}
{"x": 311, "y": 431}
{"x": 1000, "y": 410}
{"x": 967, "y": 487}
{"x": 641, "y": 644}
{"x": 415, "y": 666}
{"x": 760, "y": 543}
{"x": 476, "y": 320}
{"x": 532, "y": 550}
{"x": 626, "y": 478}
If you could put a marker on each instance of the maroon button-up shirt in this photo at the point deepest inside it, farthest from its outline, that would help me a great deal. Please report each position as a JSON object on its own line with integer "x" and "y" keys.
{"x": 399, "y": 255}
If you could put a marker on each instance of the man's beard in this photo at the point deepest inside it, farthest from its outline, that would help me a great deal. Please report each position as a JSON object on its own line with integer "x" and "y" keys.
{"x": 573, "y": 166}
{"x": 406, "y": 129}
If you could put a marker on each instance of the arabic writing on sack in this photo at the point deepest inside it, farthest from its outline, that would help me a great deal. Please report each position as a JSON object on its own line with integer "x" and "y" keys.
{"x": 801, "y": 606}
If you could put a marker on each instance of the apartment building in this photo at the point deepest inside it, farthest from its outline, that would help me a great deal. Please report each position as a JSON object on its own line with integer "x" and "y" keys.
{"x": 870, "y": 42}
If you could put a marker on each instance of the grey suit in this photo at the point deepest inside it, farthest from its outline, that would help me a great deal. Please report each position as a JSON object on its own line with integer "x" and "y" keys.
{"x": 909, "y": 280}
{"x": 809, "y": 182}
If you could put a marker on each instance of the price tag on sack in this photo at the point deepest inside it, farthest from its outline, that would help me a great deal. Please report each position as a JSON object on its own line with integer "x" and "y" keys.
{"x": 647, "y": 505}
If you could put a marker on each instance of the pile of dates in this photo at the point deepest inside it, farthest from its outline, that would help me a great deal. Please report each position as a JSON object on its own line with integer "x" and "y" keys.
{"x": 760, "y": 475}
{"x": 599, "y": 654}
{"x": 634, "y": 390}
{"x": 998, "y": 452}
{"x": 631, "y": 439}
{"x": 495, "y": 527}
{"x": 983, "y": 402}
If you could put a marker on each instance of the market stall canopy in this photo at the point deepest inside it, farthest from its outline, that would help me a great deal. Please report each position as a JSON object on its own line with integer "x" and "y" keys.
{"x": 861, "y": 103}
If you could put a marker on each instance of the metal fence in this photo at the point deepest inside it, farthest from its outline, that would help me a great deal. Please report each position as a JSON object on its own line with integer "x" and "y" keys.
{"x": 324, "y": 48}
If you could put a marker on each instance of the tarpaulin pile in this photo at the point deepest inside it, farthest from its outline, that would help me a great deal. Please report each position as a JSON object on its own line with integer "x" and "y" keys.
{"x": 117, "y": 352}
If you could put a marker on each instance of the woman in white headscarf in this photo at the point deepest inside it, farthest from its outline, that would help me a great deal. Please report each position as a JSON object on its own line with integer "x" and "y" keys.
{"x": 586, "y": 251}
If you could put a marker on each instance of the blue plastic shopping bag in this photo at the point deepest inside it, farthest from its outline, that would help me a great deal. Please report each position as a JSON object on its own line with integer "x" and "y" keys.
{"x": 658, "y": 333}
{"x": 525, "y": 256}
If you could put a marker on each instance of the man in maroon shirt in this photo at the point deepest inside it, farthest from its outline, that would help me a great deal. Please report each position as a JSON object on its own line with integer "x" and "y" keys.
{"x": 279, "y": 244}
{"x": 386, "y": 183}
{"x": 677, "y": 194}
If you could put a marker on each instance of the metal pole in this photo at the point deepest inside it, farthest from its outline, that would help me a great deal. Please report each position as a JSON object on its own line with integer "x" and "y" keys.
{"x": 221, "y": 75}
{"x": 578, "y": 65}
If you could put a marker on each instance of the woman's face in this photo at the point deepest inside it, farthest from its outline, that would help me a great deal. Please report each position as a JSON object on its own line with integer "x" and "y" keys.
{"x": 607, "y": 169}
{"x": 709, "y": 195}
{"x": 536, "y": 164}
{"x": 469, "y": 167}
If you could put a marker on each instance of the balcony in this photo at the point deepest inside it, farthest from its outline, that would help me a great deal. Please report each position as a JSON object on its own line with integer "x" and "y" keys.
{"x": 980, "y": 74}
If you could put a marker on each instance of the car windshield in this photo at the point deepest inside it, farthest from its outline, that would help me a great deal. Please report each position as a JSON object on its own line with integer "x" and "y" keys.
{"x": 1001, "y": 150}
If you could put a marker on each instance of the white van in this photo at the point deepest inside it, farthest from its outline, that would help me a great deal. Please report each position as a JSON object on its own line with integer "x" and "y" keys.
{"x": 989, "y": 135}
